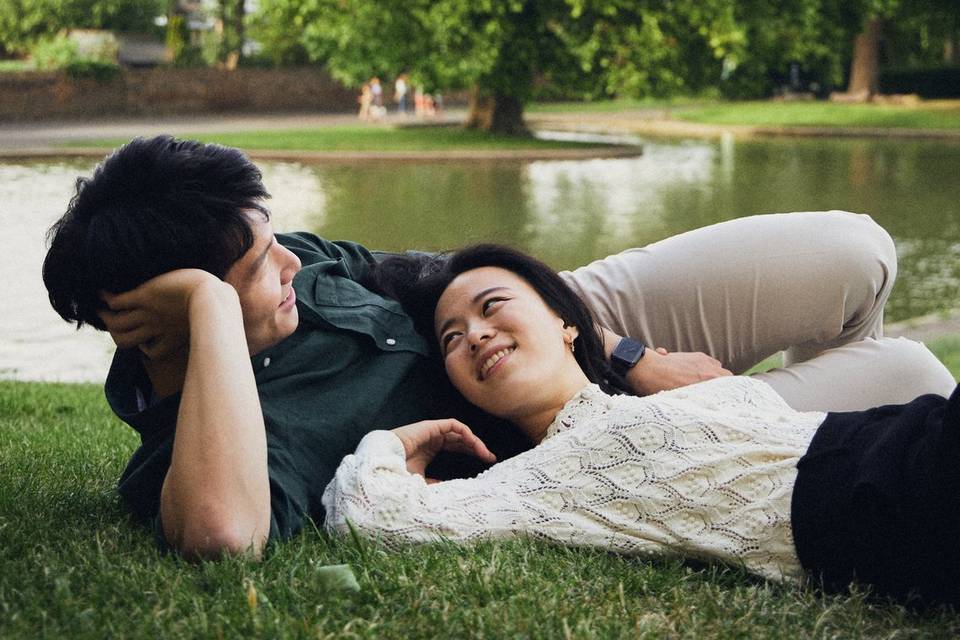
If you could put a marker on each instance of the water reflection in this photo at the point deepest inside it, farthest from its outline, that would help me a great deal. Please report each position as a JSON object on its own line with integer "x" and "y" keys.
{"x": 568, "y": 212}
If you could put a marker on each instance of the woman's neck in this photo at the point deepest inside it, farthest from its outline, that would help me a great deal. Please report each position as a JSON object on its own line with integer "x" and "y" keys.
{"x": 537, "y": 418}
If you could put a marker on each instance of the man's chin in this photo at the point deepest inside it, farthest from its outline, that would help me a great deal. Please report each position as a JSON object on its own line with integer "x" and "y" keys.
{"x": 281, "y": 333}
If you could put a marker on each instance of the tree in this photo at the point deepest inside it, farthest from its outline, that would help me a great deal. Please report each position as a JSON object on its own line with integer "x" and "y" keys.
{"x": 877, "y": 17}
{"x": 24, "y": 22}
{"x": 232, "y": 14}
{"x": 495, "y": 48}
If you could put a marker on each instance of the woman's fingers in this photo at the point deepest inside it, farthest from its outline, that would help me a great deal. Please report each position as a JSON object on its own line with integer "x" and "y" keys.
{"x": 427, "y": 438}
{"x": 459, "y": 438}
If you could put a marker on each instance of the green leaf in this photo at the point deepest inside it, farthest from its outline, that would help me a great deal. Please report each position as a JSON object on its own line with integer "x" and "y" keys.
{"x": 337, "y": 577}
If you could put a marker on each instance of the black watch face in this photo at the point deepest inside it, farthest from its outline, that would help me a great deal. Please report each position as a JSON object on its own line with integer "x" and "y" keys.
{"x": 629, "y": 351}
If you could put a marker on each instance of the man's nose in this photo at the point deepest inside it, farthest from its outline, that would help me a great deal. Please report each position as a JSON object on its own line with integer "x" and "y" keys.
{"x": 292, "y": 265}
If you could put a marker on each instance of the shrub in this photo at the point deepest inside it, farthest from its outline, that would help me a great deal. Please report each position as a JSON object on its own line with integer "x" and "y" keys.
{"x": 934, "y": 82}
{"x": 63, "y": 53}
{"x": 55, "y": 53}
{"x": 99, "y": 70}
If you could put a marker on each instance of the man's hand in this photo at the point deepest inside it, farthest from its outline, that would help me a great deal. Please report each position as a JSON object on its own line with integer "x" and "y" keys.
{"x": 154, "y": 317}
{"x": 660, "y": 370}
{"x": 424, "y": 440}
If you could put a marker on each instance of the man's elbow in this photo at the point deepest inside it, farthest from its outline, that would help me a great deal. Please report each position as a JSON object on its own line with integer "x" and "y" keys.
{"x": 214, "y": 539}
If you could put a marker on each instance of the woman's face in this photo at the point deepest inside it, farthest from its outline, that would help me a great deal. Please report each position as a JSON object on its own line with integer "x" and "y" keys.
{"x": 504, "y": 349}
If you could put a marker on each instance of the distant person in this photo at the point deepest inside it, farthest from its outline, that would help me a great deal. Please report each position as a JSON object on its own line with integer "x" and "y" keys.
{"x": 250, "y": 363}
{"x": 377, "y": 110}
{"x": 400, "y": 93}
{"x": 365, "y": 99}
{"x": 418, "y": 102}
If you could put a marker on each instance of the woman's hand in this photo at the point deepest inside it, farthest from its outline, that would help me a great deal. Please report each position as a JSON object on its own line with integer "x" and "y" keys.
{"x": 154, "y": 317}
{"x": 422, "y": 441}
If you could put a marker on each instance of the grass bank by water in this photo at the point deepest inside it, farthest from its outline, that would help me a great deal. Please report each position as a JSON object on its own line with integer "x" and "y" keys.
{"x": 926, "y": 115}
{"x": 73, "y": 565}
{"x": 826, "y": 114}
{"x": 369, "y": 138}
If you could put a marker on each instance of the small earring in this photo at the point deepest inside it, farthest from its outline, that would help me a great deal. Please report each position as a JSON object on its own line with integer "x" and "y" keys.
{"x": 573, "y": 348}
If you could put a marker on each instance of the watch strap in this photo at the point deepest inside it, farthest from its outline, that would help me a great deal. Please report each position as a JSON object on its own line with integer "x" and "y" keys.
{"x": 626, "y": 355}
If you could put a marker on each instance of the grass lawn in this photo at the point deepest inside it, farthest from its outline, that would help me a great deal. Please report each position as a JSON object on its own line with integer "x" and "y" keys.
{"x": 618, "y": 105}
{"x": 826, "y": 114}
{"x": 7, "y": 66}
{"x": 73, "y": 565}
{"x": 927, "y": 115}
{"x": 371, "y": 138}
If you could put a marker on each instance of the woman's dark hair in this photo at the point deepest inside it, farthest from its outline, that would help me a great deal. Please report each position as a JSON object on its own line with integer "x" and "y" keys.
{"x": 418, "y": 281}
{"x": 152, "y": 206}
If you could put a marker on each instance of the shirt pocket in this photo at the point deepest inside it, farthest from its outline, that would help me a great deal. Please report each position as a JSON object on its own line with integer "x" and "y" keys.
{"x": 348, "y": 305}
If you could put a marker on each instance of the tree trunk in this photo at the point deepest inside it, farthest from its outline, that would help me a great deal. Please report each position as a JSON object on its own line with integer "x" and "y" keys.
{"x": 865, "y": 68}
{"x": 232, "y": 13}
{"x": 951, "y": 52}
{"x": 239, "y": 13}
{"x": 496, "y": 113}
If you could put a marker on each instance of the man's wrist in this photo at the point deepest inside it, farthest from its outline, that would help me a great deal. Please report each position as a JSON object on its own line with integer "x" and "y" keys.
{"x": 625, "y": 356}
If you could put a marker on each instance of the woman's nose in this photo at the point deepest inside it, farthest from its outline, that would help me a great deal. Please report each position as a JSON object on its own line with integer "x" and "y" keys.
{"x": 478, "y": 335}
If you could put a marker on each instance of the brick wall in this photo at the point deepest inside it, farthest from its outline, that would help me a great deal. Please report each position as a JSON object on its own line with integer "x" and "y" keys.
{"x": 165, "y": 91}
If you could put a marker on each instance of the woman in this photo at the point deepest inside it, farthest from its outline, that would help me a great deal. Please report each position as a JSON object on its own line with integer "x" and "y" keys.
{"x": 722, "y": 470}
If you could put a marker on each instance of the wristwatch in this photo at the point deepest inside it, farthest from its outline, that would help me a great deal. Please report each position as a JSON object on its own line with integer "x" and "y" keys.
{"x": 626, "y": 355}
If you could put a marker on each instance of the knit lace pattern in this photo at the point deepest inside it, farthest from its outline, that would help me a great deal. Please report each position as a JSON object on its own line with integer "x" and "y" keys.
{"x": 705, "y": 472}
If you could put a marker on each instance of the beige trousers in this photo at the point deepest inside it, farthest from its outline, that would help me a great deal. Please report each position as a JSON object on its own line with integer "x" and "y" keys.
{"x": 810, "y": 284}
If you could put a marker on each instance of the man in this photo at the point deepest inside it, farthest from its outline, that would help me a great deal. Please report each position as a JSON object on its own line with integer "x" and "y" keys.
{"x": 169, "y": 247}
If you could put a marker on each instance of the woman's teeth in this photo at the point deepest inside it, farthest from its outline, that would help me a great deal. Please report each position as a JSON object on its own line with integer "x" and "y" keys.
{"x": 492, "y": 360}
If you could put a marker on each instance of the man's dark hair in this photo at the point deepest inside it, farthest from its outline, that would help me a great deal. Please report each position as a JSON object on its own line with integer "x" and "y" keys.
{"x": 418, "y": 281}
{"x": 152, "y": 206}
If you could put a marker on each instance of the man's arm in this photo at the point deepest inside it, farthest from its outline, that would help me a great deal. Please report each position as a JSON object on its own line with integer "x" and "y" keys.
{"x": 216, "y": 494}
{"x": 659, "y": 370}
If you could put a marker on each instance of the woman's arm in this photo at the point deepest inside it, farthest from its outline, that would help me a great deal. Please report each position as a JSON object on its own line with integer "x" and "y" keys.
{"x": 375, "y": 492}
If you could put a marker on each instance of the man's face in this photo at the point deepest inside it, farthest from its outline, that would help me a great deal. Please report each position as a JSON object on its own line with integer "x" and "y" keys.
{"x": 263, "y": 278}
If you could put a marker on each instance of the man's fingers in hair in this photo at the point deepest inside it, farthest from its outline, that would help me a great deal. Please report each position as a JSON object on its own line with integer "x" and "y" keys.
{"x": 122, "y": 321}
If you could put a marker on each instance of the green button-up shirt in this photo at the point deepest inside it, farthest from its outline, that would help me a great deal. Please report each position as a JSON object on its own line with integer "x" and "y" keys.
{"x": 354, "y": 364}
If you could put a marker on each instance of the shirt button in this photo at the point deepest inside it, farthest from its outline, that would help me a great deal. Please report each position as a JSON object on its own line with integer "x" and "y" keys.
{"x": 391, "y": 341}
{"x": 266, "y": 361}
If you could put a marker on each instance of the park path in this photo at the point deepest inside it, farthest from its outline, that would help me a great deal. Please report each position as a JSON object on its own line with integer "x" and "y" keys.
{"x": 45, "y": 139}
{"x": 43, "y": 135}
{"x": 21, "y": 138}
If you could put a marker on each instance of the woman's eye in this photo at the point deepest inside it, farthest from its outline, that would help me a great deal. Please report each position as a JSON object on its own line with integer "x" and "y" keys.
{"x": 447, "y": 341}
{"x": 490, "y": 304}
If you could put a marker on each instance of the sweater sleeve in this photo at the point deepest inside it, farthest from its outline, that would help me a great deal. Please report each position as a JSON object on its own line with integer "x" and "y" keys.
{"x": 374, "y": 493}
{"x": 542, "y": 493}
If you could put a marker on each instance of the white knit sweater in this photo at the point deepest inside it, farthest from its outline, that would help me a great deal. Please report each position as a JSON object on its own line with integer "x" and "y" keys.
{"x": 705, "y": 471}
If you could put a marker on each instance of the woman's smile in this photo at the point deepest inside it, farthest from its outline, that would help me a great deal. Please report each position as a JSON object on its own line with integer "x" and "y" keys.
{"x": 492, "y": 362}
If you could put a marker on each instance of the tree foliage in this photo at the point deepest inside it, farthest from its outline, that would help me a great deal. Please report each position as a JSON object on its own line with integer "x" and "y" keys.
{"x": 23, "y": 22}
{"x": 498, "y": 47}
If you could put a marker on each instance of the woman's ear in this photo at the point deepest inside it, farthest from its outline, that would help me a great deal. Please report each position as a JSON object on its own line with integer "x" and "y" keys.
{"x": 570, "y": 333}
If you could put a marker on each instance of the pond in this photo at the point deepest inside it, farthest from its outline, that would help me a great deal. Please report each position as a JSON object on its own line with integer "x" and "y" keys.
{"x": 566, "y": 212}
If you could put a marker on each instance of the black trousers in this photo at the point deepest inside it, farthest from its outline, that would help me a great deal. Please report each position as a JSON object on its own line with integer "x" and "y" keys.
{"x": 877, "y": 500}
